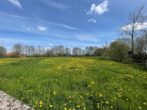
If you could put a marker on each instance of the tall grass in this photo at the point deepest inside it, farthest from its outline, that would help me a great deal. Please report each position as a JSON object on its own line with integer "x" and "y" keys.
{"x": 74, "y": 83}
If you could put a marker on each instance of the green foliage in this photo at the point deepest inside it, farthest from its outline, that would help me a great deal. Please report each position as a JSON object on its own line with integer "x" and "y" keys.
{"x": 2, "y": 51}
{"x": 74, "y": 83}
{"x": 118, "y": 50}
{"x": 101, "y": 51}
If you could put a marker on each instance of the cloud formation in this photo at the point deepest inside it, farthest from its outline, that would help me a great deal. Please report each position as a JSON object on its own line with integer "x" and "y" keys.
{"x": 15, "y": 3}
{"x": 92, "y": 20}
{"x": 54, "y": 4}
{"x": 42, "y": 28}
{"x": 100, "y": 8}
{"x": 138, "y": 26}
{"x": 63, "y": 26}
{"x": 68, "y": 27}
{"x": 86, "y": 37}
{"x": 34, "y": 28}
{"x": 28, "y": 28}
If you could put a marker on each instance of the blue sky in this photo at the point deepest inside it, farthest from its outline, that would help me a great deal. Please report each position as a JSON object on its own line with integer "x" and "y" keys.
{"x": 63, "y": 22}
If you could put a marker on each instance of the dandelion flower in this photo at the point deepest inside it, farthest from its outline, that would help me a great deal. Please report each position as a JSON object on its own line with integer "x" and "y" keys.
{"x": 98, "y": 106}
{"x": 54, "y": 93}
{"x": 41, "y": 104}
{"x": 65, "y": 104}
{"x": 107, "y": 102}
{"x": 101, "y": 95}
{"x": 140, "y": 108}
{"x": 111, "y": 106}
{"x": 51, "y": 106}
{"x": 78, "y": 106}
{"x": 65, "y": 108}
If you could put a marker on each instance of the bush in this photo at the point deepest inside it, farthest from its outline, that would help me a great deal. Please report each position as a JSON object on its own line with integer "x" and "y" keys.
{"x": 2, "y": 51}
{"x": 118, "y": 50}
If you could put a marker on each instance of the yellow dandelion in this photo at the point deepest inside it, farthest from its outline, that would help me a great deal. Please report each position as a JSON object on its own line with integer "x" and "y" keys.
{"x": 65, "y": 104}
{"x": 78, "y": 106}
{"x": 65, "y": 108}
{"x": 101, "y": 95}
{"x": 54, "y": 93}
{"x": 119, "y": 95}
{"x": 51, "y": 106}
{"x": 87, "y": 94}
{"x": 107, "y": 102}
{"x": 41, "y": 104}
{"x": 69, "y": 97}
{"x": 81, "y": 97}
{"x": 115, "y": 98}
{"x": 92, "y": 82}
{"x": 140, "y": 108}
{"x": 98, "y": 106}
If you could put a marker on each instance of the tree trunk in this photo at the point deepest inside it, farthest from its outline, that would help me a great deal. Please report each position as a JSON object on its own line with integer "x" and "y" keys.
{"x": 146, "y": 63}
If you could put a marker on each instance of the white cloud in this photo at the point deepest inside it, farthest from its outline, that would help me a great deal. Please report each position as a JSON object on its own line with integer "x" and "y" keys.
{"x": 138, "y": 26}
{"x": 59, "y": 25}
{"x": 92, "y": 20}
{"x": 13, "y": 15}
{"x": 100, "y": 8}
{"x": 63, "y": 26}
{"x": 54, "y": 4}
{"x": 68, "y": 27}
{"x": 86, "y": 37}
{"x": 42, "y": 28}
{"x": 15, "y": 3}
{"x": 29, "y": 28}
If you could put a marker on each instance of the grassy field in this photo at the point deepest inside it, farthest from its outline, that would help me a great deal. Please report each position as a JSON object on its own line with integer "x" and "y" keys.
{"x": 74, "y": 83}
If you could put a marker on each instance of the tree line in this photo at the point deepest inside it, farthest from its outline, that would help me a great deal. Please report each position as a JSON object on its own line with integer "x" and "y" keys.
{"x": 19, "y": 50}
{"x": 116, "y": 50}
{"x": 133, "y": 44}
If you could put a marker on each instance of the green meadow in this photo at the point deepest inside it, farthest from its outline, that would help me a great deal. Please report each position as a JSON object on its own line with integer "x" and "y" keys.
{"x": 74, "y": 83}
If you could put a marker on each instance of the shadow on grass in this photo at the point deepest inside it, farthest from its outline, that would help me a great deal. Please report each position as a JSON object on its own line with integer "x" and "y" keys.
{"x": 139, "y": 66}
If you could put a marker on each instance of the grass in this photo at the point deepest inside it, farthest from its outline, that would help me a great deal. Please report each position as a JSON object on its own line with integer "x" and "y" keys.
{"x": 74, "y": 83}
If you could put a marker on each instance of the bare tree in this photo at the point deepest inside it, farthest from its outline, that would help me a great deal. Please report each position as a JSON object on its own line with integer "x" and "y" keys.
{"x": 141, "y": 44}
{"x": 58, "y": 50}
{"x": 39, "y": 51}
{"x": 90, "y": 50}
{"x": 29, "y": 50}
{"x": 18, "y": 49}
{"x": 76, "y": 51}
{"x": 132, "y": 28}
{"x": 67, "y": 52}
{"x": 145, "y": 41}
